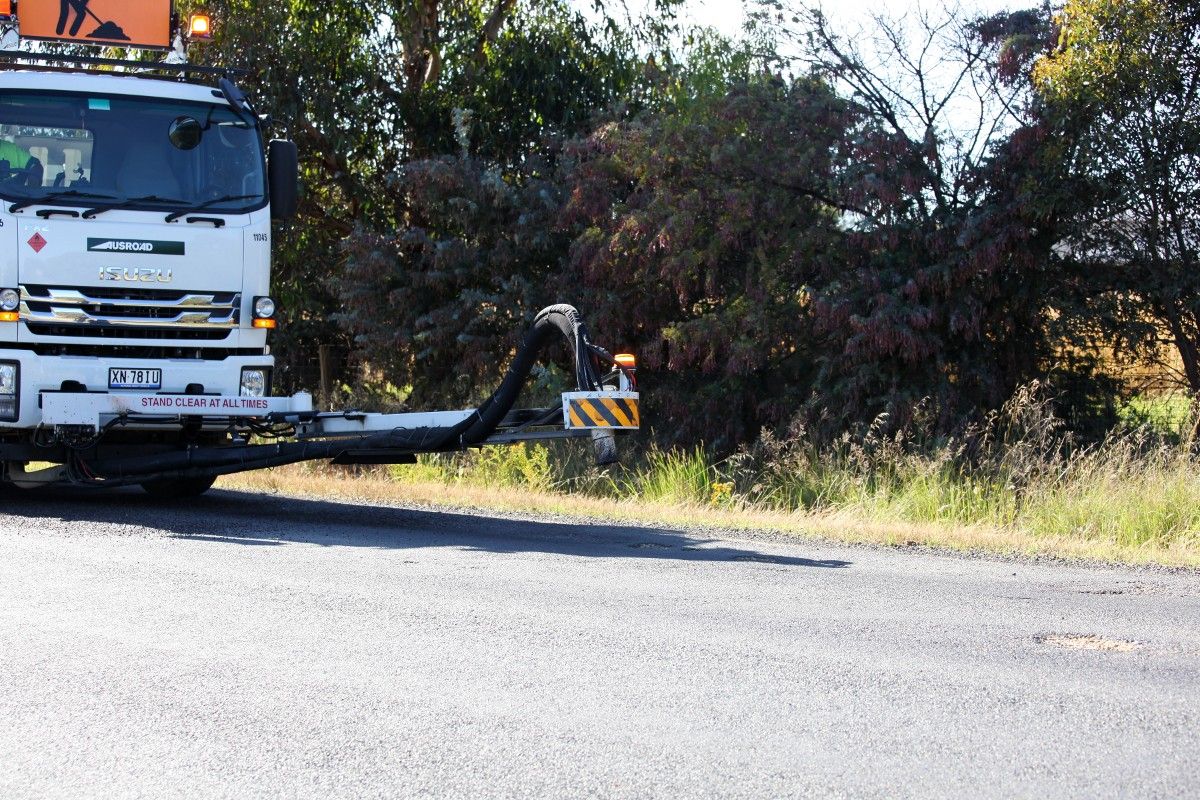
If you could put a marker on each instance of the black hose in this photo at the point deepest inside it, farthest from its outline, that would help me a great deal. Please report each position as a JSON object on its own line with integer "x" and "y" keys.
{"x": 563, "y": 320}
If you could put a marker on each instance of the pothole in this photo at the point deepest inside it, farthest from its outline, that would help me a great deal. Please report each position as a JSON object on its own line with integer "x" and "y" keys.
{"x": 758, "y": 559}
{"x": 1087, "y": 641}
{"x": 650, "y": 546}
{"x": 1138, "y": 589}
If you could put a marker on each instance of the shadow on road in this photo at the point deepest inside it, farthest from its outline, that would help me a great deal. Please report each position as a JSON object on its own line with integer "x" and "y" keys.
{"x": 267, "y": 520}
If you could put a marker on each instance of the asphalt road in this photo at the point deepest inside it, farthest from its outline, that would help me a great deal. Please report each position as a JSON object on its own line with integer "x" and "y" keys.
{"x": 247, "y": 646}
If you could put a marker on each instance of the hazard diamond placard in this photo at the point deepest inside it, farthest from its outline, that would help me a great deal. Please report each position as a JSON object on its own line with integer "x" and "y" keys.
{"x": 128, "y": 23}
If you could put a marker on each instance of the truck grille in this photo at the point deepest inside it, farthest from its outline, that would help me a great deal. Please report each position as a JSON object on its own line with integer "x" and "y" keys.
{"x": 120, "y": 313}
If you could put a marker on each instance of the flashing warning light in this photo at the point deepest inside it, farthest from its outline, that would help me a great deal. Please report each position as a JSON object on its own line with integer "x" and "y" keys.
{"x": 626, "y": 360}
{"x": 200, "y": 26}
{"x": 269, "y": 324}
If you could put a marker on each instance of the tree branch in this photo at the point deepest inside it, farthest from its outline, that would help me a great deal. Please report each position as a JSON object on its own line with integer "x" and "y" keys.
{"x": 491, "y": 28}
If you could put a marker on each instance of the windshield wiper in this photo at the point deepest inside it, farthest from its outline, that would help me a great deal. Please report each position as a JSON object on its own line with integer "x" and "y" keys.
{"x": 229, "y": 198}
{"x": 54, "y": 197}
{"x": 129, "y": 202}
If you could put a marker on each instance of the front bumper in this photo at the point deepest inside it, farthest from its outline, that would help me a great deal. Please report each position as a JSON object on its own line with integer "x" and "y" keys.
{"x": 96, "y": 409}
{"x": 43, "y": 376}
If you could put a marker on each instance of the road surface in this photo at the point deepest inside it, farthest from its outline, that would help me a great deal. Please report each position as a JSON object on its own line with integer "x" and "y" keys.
{"x": 248, "y": 646}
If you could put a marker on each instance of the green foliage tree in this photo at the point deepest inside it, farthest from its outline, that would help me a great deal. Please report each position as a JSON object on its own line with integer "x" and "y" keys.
{"x": 838, "y": 243}
{"x": 1121, "y": 88}
{"x": 366, "y": 86}
{"x": 884, "y": 228}
{"x": 653, "y": 223}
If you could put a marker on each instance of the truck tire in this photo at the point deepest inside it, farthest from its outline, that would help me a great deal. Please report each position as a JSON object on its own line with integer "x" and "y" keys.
{"x": 179, "y": 488}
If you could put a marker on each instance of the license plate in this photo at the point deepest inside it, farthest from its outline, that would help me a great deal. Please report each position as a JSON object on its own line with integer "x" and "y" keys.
{"x": 134, "y": 378}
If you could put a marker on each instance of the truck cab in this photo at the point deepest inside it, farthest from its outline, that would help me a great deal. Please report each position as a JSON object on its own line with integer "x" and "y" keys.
{"x": 135, "y": 241}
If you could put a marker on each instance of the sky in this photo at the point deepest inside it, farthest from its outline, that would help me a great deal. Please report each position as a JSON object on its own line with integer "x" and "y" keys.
{"x": 849, "y": 17}
{"x": 727, "y": 16}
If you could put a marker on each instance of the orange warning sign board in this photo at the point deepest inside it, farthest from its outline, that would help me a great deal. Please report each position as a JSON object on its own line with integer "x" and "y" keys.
{"x": 124, "y": 23}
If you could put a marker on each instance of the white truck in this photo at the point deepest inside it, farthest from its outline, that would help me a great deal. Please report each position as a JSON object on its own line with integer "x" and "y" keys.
{"x": 136, "y": 206}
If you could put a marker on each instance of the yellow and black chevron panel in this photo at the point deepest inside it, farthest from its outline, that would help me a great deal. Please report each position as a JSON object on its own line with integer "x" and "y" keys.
{"x": 596, "y": 410}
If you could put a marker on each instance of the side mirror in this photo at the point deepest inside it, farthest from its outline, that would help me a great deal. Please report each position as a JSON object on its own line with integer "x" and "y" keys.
{"x": 283, "y": 178}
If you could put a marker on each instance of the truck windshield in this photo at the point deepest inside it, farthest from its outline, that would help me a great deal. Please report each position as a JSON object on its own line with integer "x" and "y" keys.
{"x": 71, "y": 148}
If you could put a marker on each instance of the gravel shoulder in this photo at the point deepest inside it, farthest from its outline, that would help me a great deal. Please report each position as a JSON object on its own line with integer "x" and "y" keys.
{"x": 751, "y": 524}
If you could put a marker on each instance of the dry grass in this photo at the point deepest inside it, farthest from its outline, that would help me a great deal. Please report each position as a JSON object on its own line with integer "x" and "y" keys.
{"x": 846, "y": 525}
{"x": 1017, "y": 483}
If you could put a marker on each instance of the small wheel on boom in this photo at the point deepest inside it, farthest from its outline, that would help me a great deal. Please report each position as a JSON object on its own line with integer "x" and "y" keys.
{"x": 179, "y": 488}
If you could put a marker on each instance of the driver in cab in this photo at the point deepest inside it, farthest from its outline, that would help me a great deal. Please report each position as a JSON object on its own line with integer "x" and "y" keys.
{"x": 18, "y": 166}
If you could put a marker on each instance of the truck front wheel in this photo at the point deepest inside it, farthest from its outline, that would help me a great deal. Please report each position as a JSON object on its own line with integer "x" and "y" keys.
{"x": 179, "y": 488}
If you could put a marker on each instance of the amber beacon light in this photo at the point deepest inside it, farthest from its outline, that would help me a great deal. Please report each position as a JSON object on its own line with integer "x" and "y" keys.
{"x": 200, "y": 26}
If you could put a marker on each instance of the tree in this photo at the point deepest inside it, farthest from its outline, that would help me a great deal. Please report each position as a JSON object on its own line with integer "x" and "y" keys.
{"x": 652, "y": 223}
{"x": 1122, "y": 88}
{"x": 365, "y": 87}
{"x": 441, "y": 302}
{"x": 441, "y": 290}
{"x": 939, "y": 293}
{"x": 696, "y": 232}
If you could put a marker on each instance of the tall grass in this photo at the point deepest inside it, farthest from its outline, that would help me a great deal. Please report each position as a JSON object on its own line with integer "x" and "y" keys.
{"x": 1019, "y": 470}
{"x": 677, "y": 476}
{"x": 1127, "y": 491}
{"x": 521, "y": 465}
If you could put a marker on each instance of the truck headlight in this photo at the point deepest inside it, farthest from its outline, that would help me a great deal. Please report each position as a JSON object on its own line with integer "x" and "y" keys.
{"x": 255, "y": 381}
{"x": 264, "y": 307}
{"x": 10, "y": 299}
{"x": 10, "y": 390}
